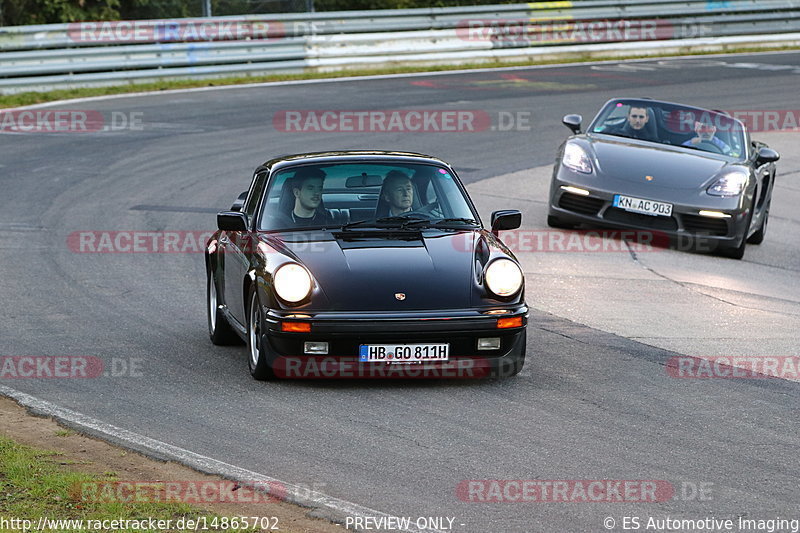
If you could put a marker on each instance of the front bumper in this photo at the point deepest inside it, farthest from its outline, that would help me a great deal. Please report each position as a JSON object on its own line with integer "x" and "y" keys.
{"x": 685, "y": 225}
{"x": 345, "y": 332}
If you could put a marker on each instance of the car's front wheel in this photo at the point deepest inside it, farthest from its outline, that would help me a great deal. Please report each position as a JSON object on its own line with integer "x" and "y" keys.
{"x": 758, "y": 236}
{"x": 257, "y": 344}
{"x": 219, "y": 330}
{"x": 737, "y": 252}
{"x": 555, "y": 222}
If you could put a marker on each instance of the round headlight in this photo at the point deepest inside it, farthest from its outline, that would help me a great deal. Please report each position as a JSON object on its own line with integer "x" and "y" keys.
{"x": 503, "y": 277}
{"x": 292, "y": 282}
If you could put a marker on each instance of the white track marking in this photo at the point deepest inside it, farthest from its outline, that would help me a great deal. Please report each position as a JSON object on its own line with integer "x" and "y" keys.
{"x": 334, "y": 509}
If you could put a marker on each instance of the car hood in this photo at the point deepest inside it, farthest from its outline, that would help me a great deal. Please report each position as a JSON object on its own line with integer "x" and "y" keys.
{"x": 364, "y": 271}
{"x": 669, "y": 166}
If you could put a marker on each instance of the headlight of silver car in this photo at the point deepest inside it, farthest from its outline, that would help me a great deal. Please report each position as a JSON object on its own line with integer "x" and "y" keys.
{"x": 729, "y": 184}
{"x": 292, "y": 282}
{"x": 503, "y": 277}
{"x": 575, "y": 158}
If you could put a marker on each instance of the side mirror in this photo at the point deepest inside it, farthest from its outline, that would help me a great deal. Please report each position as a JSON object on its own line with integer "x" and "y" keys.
{"x": 239, "y": 203}
{"x": 506, "y": 219}
{"x": 766, "y": 155}
{"x": 231, "y": 221}
{"x": 573, "y": 122}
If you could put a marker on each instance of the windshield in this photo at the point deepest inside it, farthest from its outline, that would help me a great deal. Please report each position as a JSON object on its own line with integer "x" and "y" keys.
{"x": 689, "y": 127}
{"x": 364, "y": 194}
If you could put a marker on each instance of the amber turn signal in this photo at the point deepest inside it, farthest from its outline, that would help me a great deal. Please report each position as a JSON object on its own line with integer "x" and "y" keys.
{"x": 296, "y": 327}
{"x": 511, "y": 322}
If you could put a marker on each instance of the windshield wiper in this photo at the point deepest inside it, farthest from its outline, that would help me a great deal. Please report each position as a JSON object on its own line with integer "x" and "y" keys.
{"x": 442, "y": 222}
{"x": 385, "y": 222}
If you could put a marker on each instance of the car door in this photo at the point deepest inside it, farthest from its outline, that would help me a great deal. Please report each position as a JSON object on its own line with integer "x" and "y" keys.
{"x": 763, "y": 175}
{"x": 237, "y": 248}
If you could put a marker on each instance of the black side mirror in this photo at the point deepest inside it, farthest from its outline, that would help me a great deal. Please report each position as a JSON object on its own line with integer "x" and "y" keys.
{"x": 231, "y": 221}
{"x": 239, "y": 203}
{"x": 573, "y": 122}
{"x": 766, "y": 155}
{"x": 505, "y": 220}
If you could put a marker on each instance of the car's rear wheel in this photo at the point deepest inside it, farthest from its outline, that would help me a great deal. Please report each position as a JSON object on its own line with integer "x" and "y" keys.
{"x": 219, "y": 330}
{"x": 758, "y": 236}
{"x": 555, "y": 222}
{"x": 257, "y": 344}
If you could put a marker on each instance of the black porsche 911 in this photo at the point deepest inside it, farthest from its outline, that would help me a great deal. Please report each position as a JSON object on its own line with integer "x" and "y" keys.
{"x": 684, "y": 172}
{"x": 365, "y": 264}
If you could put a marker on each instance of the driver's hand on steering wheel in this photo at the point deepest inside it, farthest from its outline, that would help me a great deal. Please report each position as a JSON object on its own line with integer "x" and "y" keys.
{"x": 432, "y": 209}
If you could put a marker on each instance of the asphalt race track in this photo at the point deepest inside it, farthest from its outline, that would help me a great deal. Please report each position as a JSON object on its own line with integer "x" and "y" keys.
{"x": 595, "y": 401}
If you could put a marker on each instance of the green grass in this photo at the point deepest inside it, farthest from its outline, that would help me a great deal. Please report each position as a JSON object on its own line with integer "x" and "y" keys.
{"x": 29, "y": 98}
{"x": 33, "y": 485}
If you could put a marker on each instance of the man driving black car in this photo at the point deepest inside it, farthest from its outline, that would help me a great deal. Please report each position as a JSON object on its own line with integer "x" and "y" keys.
{"x": 306, "y": 187}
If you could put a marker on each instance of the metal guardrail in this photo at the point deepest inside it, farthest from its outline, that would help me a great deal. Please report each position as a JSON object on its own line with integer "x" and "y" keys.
{"x": 105, "y": 53}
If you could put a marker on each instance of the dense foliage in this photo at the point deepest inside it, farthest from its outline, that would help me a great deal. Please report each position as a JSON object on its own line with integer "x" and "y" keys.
{"x": 19, "y": 12}
{"x": 347, "y": 5}
{"x": 22, "y": 12}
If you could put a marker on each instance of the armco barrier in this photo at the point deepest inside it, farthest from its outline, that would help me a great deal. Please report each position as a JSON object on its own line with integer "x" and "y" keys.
{"x": 111, "y": 53}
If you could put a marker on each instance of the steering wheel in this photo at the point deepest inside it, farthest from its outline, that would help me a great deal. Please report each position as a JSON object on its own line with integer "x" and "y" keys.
{"x": 419, "y": 213}
{"x": 426, "y": 210}
{"x": 705, "y": 145}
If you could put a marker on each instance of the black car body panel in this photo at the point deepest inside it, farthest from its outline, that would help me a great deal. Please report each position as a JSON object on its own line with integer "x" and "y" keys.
{"x": 370, "y": 284}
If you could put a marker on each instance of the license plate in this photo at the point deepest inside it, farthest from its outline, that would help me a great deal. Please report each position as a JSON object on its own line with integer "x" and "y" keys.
{"x": 640, "y": 205}
{"x": 402, "y": 353}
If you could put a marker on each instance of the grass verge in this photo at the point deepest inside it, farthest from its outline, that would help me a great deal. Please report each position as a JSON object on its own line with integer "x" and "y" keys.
{"x": 30, "y": 98}
{"x": 35, "y": 484}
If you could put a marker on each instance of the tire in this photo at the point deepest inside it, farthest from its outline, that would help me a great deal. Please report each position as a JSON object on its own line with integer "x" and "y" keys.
{"x": 758, "y": 236}
{"x": 737, "y": 252}
{"x": 257, "y": 343}
{"x": 733, "y": 252}
{"x": 219, "y": 330}
{"x": 555, "y": 222}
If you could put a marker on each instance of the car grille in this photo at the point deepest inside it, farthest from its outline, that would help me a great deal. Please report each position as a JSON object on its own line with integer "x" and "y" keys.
{"x": 580, "y": 204}
{"x": 645, "y": 221}
{"x": 704, "y": 225}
